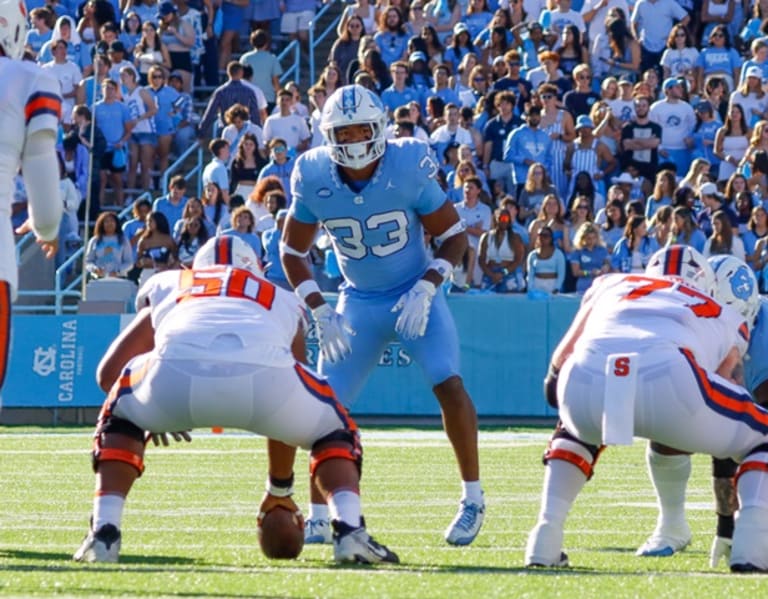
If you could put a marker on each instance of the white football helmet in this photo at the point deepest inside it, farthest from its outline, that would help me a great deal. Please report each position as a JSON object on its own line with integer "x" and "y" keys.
{"x": 683, "y": 263}
{"x": 736, "y": 285}
{"x": 228, "y": 250}
{"x": 353, "y": 105}
{"x": 13, "y": 27}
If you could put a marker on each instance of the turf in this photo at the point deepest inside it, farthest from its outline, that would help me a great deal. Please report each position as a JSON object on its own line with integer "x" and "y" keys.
{"x": 189, "y": 526}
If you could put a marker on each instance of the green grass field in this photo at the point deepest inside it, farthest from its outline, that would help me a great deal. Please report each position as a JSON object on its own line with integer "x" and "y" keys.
{"x": 189, "y": 527}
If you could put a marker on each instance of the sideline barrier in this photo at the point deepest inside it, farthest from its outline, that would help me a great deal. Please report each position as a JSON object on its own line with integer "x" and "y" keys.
{"x": 506, "y": 342}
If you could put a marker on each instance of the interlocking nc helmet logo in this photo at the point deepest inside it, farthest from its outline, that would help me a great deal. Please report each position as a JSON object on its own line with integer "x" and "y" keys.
{"x": 44, "y": 362}
{"x": 741, "y": 283}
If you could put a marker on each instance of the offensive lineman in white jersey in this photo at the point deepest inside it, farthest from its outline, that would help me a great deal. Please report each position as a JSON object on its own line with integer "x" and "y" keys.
{"x": 218, "y": 345}
{"x": 29, "y": 120}
{"x": 653, "y": 355}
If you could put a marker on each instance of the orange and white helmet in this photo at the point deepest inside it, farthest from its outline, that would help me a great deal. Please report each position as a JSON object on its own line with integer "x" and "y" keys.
{"x": 228, "y": 250}
{"x": 13, "y": 27}
{"x": 683, "y": 263}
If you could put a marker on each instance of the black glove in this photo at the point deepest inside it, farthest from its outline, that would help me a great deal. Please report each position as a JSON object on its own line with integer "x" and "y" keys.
{"x": 550, "y": 386}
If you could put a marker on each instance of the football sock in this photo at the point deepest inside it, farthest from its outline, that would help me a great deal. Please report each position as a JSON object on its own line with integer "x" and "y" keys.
{"x": 318, "y": 511}
{"x": 563, "y": 482}
{"x": 107, "y": 509}
{"x": 669, "y": 474}
{"x": 345, "y": 506}
{"x": 472, "y": 490}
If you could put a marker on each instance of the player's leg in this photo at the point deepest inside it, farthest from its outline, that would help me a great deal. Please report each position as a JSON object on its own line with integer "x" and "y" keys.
{"x": 437, "y": 352}
{"x": 726, "y": 504}
{"x": 5, "y": 329}
{"x": 569, "y": 464}
{"x": 749, "y": 552}
{"x": 309, "y": 415}
{"x": 347, "y": 379}
{"x": 669, "y": 470}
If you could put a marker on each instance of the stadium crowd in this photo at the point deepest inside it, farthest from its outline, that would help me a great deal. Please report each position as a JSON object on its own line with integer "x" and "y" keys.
{"x": 575, "y": 137}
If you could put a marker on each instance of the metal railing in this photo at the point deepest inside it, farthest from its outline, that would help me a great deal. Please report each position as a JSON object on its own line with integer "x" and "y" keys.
{"x": 315, "y": 41}
{"x": 293, "y": 71}
{"x": 195, "y": 147}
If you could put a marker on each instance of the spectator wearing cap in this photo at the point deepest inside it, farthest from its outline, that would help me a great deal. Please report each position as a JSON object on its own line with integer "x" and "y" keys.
{"x": 581, "y": 98}
{"x": 527, "y": 144}
{"x": 588, "y": 155}
{"x": 167, "y": 100}
{"x": 677, "y": 120}
{"x": 287, "y": 126}
{"x": 712, "y": 201}
{"x": 751, "y": 96}
{"x": 399, "y": 92}
{"x": 441, "y": 88}
{"x": 344, "y": 50}
{"x": 623, "y": 106}
{"x": 150, "y": 51}
{"x": 759, "y": 48}
{"x": 704, "y": 135}
{"x": 680, "y": 56}
{"x": 513, "y": 81}
{"x": 719, "y": 58}
{"x": 280, "y": 164}
{"x": 266, "y": 67}
{"x": 116, "y": 53}
{"x": 68, "y": 74}
{"x": 498, "y": 70}
{"x": 461, "y": 44}
{"x": 419, "y": 76}
{"x": 652, "y": 20}
{"x": 392, "y": 39}
{"x": 178, "y": 35}
{"x": 234, "y": 91}
{"x": 450, "y": 132}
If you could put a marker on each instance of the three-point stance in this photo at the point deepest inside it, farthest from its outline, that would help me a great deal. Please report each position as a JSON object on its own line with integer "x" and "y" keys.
{"x": 218, "y": 345}
{"x": 654, "y": 356}
{"x": 375, "y": 199}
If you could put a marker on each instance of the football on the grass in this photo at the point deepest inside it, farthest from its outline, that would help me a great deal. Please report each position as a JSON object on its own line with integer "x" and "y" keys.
{"x": 281, "y": 534}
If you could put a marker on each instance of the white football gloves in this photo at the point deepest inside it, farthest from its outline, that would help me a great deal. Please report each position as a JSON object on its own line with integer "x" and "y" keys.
{"x": 721, "y": 548}
{"x": 415, "y": 305}
{"x": 333, "y": 333}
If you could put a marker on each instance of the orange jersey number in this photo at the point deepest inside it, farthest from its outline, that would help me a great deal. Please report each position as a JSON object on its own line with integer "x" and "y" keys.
{"x": 226, "y": 282}
{"x": 706, "y": 308}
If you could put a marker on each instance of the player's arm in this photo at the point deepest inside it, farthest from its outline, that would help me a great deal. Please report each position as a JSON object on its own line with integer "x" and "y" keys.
{"x": 732, "y": 368}
{"x": 45, "y": 205}
{"x": 565, "y": 348}
{"x": 294, "y": 248}
{"x": 445, "y": 225}
{"x": 135, "y": 339}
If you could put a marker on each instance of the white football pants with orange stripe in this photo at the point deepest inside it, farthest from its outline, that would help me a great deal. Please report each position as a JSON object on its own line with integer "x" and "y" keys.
{"x": 289, "y": 404}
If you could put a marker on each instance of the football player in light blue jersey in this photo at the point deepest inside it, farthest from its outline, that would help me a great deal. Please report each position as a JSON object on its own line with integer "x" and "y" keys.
{"x": 375, "y": 198}
{"x": 736, "y": 286}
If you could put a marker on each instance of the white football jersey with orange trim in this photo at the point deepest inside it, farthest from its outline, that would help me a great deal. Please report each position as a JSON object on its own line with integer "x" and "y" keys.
{"x": 29, "y": 102}
{"x": 652, "y": 311}
{"x": 222, "y": 313}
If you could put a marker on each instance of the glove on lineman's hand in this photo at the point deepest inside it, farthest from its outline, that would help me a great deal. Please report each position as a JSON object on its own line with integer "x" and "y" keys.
{"x": 333, "y": 333}
{"x": 415, "y": 305}
{"x": 162, "y": 438}
{"x": 270, "y": 502}
{"x": 721, "y": 548}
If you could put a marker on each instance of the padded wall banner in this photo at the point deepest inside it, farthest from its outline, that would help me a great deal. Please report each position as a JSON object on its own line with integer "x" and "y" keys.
{"x": 505, "y": 344}
{"x": 54, "y": 358}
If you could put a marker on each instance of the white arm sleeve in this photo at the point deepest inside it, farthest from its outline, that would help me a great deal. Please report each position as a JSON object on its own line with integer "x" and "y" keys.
{"x": 40, "y": 168}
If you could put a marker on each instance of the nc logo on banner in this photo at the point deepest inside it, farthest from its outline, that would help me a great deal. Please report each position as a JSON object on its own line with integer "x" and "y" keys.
{"x": 44, "y": 360}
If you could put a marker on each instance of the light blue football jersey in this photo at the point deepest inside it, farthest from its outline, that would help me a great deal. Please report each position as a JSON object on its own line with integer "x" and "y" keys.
{"x": 376, "y": 233}
{"x": 756, "y": 364}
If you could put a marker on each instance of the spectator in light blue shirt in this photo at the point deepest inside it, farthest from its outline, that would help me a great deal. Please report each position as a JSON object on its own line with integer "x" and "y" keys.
{"x": 172, "y": 204}
{"x": 527, "y": 144}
